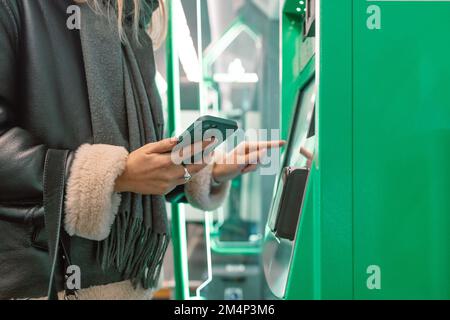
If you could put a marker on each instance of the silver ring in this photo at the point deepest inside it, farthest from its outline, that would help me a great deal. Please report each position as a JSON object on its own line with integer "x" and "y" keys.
{"x": 187, "y": 175}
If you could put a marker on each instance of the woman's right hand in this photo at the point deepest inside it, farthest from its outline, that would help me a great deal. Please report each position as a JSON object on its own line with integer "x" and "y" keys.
{"x": 150, "y": 170}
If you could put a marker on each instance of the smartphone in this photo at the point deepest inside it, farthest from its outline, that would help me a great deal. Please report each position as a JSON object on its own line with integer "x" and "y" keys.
{"x": 207, "y": 128}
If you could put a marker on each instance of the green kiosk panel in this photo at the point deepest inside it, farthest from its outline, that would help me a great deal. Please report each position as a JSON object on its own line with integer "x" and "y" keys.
{"x": 374, "y": 217}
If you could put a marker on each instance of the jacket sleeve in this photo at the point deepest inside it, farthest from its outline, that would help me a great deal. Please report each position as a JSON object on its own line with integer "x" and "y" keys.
{"x": 21, "y": 155}
{"x": 90, "y": 204}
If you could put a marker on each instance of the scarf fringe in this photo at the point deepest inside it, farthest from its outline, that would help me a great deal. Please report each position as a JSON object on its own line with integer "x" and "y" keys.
{"x": 134, "y": 250}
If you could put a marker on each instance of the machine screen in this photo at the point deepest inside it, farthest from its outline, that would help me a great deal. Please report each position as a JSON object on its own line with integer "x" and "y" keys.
{"x": 301, "y": 131}
{"x": 301, "y": 136}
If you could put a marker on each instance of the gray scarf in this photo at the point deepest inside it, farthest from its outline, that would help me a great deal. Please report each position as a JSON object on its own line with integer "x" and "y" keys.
{"x": 126, "y": 111}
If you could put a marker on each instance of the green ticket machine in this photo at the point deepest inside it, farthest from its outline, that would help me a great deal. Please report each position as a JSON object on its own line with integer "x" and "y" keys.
{"x": 365, "y": 89}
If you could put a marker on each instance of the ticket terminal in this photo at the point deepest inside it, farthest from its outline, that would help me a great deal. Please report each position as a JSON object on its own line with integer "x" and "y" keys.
{"x": 364, "y": 87}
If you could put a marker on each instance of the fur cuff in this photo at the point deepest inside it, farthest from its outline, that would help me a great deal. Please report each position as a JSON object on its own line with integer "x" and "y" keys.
{"x": 202, "y": 195}
{"x": 91, "y": 203}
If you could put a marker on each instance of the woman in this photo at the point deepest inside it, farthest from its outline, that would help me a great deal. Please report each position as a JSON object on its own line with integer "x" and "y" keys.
{"x": 84, "y": 168}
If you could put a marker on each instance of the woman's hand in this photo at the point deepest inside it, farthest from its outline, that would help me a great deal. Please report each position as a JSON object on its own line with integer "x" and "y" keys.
{"x": 244, "y": 159}
{"x": 150, "y": 170}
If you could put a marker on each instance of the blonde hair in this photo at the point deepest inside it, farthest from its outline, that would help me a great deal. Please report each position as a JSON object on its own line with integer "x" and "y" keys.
{"x": 157, "y": 28}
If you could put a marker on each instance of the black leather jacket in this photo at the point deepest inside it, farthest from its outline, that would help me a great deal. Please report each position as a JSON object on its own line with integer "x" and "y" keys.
{"x": 43, "y": 105}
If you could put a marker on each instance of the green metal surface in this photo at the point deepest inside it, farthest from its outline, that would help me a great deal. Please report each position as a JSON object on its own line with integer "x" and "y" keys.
{"x": 291, "y": 39}
{"x": 378, "y": 193}
{"x": 401, "y": 139}
{"x": 323, "y": 252}
{"x": 179, "y": 240}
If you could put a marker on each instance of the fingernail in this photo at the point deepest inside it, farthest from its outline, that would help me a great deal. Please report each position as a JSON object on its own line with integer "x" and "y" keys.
{"x": 174, "y": 139}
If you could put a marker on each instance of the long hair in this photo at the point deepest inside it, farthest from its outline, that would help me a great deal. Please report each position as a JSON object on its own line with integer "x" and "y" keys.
{"x": 157, "y": 26}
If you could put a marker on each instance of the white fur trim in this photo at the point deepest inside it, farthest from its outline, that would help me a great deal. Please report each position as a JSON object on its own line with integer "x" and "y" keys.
{"x": 201, "y": 194}
{"x": 91, "y": 203}
{"x": 115, "y": 291}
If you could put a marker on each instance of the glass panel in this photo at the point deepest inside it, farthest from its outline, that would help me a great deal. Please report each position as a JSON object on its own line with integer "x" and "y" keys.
{"x": 303, "y": 122}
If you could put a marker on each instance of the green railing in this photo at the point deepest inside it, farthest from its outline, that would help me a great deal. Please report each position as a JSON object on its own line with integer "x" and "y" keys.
{"x": 179, "y": 240}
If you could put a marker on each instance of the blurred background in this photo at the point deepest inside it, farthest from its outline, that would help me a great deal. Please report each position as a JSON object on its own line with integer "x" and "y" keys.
{"x": 228, "y": 66}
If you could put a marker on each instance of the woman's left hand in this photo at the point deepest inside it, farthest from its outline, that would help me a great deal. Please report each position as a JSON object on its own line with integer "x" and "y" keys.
{"x": 243, "y": 159}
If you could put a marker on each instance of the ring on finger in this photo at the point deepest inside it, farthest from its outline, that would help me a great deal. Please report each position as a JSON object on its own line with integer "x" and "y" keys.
{"x": 187, "y": 176}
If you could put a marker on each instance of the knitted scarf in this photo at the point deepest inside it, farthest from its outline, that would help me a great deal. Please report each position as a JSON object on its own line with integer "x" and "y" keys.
{"x": 126, "y": 71}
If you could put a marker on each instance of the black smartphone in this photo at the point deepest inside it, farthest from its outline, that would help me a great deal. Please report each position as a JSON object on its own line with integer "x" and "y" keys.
{"x": 207, "y": 128}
